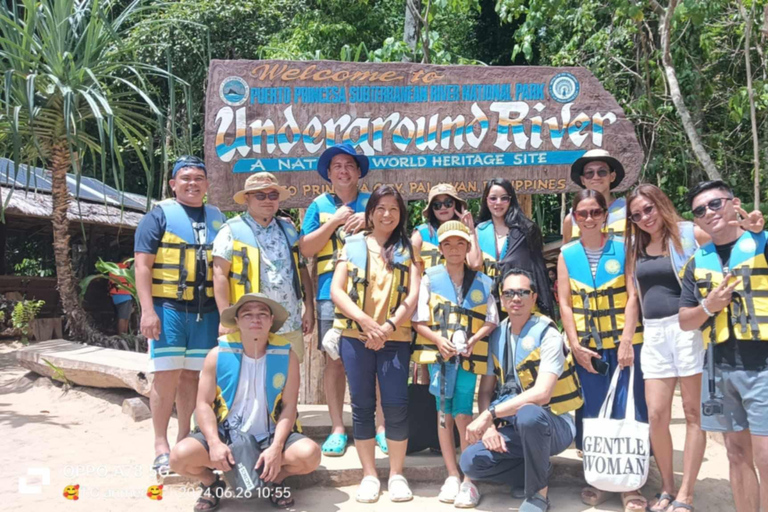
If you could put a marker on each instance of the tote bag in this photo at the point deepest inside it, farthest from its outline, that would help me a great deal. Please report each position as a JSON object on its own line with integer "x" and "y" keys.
{"x": 616, "y": 452}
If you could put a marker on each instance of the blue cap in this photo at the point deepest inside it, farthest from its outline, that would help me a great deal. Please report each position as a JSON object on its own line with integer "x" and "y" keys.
{"x": 341, "y": 149}
{"x": 188, "y": 161}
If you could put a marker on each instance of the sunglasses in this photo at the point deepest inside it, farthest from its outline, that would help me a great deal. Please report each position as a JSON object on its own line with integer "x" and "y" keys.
{"x": 512, "y": 293}
{"x": 714, "y": 205}
{"x": 439, "y": 205}
{"x": 260, "y": 196}
{"x": 637, "y": 217}
{"x": 597, "y": 213}
{"x": 502, "y": 199}
{"x": 601, "y": 173}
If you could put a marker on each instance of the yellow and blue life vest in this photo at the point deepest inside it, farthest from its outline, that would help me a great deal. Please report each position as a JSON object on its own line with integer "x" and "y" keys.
{"x": 327, "y": 206}
{"x": 567, "y": 395}
{"x": 616, "y": 223}
{"x": 228, "y": 375}
{"x": 175, "y": 269}
{"x": 486, "y": 237}
{"x": 357, "y": 282}
{"x": 598, "y": 302}
{"x": 244, "y": 274}
{"x": 430, "y": 247}
{"x": 448, "y": 316}
{"x": 749, "y": 307}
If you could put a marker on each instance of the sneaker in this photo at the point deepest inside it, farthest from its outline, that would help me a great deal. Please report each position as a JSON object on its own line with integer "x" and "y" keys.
{"x": 449, "y": 490}
{"x": 468, "y": 496}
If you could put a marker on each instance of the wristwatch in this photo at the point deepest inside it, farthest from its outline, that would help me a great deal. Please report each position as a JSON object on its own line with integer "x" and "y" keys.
{"x": 492, "y": 410}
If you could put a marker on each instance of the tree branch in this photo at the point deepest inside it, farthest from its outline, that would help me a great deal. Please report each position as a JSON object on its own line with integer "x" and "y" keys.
{"x": 677, "y": 98}
{"x": 748, "y": 17}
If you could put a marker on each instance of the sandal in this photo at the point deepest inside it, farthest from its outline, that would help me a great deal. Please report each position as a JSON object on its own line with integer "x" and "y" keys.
{"x": 593, "y": 497}
{"x": 335, "y": 445}
{"x": 210, "y": 496}
{"x": 662, "y": 496}
{"x": 162, "y": 464}
{"x": 536, "y": 503}
{"x": 640, "y": 503}
{"x": 679, "y": 504}
{"x": 283, "y": 501}
{"x": 381, "y": 442}
{"x": 399, "y": 490}
{"x": 369, "y": 489}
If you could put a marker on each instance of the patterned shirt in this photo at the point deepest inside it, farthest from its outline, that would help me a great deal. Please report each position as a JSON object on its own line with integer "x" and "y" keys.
{"x": 275, "y": 270}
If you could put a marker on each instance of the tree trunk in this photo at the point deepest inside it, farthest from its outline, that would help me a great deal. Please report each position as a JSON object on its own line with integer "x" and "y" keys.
{"x": 78, "y": 322}
{"x": 748, "y": 17}
{"x": 411, "y": 29}
{"x": 677, "y": 97}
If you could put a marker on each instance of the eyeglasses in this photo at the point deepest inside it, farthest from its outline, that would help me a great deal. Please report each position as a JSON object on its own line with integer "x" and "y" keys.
{"x": 439, "y": 205}
{"x": 596, "y": 213}
{"x": 637, "y": 217}
{"x": 601, "y": 173}
{"x": 714, "y": 205}
{"x": 260, "y": 196}
{"x": 512, "y": 293}
{"x": 497, "y": 199}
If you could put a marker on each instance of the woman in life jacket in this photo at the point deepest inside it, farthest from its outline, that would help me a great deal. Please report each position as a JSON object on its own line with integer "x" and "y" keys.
{"x": 375, "y": 286}
{"x": 443, "y": 204}
{"x": 509, "y": 239}
{"x": 599, "y": 310}
{"x": 659, "y": 245}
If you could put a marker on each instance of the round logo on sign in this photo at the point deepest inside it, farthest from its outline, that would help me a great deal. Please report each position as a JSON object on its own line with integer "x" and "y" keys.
{"x": 528, "y": 343}
{"x": 564, "y": 87}
{"x": 613, "y": 267}
{"x": 476, "y": 296}
{"x": 233, "y": 91}
{"x": 278, "y": 380}
{"x": 747, "y": 245}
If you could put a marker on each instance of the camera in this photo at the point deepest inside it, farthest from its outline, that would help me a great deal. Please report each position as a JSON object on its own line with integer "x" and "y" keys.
{"x": 712, "y": 407}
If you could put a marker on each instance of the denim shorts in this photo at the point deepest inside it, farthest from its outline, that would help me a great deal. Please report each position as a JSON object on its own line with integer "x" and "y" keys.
{"x": 745, "y": 401}
{"x": 325, "y": 315}
{"x": 463, "y": 392}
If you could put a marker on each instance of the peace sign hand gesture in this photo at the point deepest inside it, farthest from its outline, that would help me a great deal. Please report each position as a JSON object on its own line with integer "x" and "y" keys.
{"x": 753, "y": 221}
{"x": 721, "y": 296}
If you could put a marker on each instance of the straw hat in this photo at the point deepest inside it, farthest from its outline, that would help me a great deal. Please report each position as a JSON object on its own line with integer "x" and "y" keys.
{"x": 597, "y": 155}
{"x": 229, "y": 315}
{"x": 453, "y": 228}
{"x": 442, "y": 189}
{"x": 261, "y": 181}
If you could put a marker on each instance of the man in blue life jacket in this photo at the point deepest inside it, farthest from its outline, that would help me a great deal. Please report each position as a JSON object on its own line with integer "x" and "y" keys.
{"x": 725, "y": 294}
{"x": 174, "y": 275}
{"x": 329, "y": 219}
{"x": 249, "y": 389}
{"x": 534, "y": 390}
{"x": 259, "y": 252}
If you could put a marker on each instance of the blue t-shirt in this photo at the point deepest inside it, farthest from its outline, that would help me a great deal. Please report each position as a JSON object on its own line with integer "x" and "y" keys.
{"x": 147, "y": 240}
{"x": 311, "y": 223}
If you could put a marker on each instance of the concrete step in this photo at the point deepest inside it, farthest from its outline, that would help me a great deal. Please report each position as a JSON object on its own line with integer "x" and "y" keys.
{"x": 316, "y": 422}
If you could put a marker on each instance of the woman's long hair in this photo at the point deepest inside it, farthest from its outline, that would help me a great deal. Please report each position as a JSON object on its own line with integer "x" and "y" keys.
{"x": 639, "y": 239}
{"x": 399, "y": 236}
{"x": 514, "y": 206}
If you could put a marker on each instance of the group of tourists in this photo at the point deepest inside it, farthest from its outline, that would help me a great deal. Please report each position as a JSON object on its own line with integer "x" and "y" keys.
{"x": 226, "y": 305}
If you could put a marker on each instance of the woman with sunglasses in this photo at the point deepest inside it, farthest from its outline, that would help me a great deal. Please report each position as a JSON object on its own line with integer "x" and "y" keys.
{"x": 509, "y": 239}
{"x": 443, "y": 204}
{"x": 660, "y": 244}
{"x": 375, "y": 286}
{"x": 598, "y": 306}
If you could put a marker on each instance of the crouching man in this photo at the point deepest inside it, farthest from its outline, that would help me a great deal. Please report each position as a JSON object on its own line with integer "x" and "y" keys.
{"x": 246, "y": 410}
{"x": 534, "y": 389}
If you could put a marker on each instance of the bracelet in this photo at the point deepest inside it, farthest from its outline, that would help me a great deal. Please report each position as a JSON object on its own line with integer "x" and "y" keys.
{"x": 706, "y": 310}
{"x": 390, "y": 322}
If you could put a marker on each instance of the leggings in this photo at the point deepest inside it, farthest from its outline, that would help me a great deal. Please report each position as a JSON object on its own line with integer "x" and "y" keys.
{"x": 362, "y": 366}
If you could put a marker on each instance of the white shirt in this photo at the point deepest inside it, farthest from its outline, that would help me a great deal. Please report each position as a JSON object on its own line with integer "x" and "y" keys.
{"x": 249, "y": 411}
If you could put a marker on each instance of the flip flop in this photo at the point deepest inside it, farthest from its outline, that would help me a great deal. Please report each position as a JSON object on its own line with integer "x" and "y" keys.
{"x": 381, "y": 442}
{"x": 335, "y": 445}
{"x": 627, "y": 498}
{"x": 662, "y": 496}
{"x": 162, "y": 464}
{"x": 283, "y": 501}
{"x": 679, "y": 504}
{"x": 210, "y": 496}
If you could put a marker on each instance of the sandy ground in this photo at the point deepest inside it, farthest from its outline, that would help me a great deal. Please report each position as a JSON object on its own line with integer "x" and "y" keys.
{"x": 50, "y": 439}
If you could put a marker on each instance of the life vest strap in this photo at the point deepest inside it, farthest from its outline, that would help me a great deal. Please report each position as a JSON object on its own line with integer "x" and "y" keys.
{"x": 242, "y": 277}
{"x": 433, "y": 255}
{"x": 746, "y": 299}
{"x": 401, "y": 287}
{"x": 590, "y": 322}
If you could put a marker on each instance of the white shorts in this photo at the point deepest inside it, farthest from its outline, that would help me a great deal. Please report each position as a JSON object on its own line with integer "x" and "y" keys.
{"x": 668, "y": 351}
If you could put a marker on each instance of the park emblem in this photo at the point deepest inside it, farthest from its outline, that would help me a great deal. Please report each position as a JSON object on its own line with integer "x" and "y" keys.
{"x": 747, "y": 246}
{"x": 564, "y": 87}
{"x": 613, "y": 267}
{"x": 233, "y": 91}
{"x": 476, "y": 296}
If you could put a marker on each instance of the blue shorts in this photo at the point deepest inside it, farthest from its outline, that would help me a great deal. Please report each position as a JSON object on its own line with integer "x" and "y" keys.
{"x": 745, "y": 401}
{"x": 184, "y": 342}
{"x": 463, "y": 393}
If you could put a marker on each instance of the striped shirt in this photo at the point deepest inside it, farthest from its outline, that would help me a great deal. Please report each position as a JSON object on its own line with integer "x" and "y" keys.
{"x": 593, "y": 256}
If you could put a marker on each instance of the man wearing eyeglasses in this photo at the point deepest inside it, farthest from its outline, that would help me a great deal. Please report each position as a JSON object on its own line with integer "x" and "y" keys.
{"x": 725, "y": 294}
{"x": 178, "y": 313}
{"x": 534, "y": 388}
{"x": 597, "y": 170}
{"x": 258, "y": 252}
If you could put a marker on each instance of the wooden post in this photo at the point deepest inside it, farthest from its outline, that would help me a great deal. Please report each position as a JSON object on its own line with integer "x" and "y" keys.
{"x": 526, "y": 204}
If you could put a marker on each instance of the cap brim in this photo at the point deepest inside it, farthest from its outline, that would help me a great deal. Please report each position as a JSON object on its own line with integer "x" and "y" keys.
{"x": 577, "y": 169}
{"x": 325, "y": 160}
{"x": 229, "y": 315}
{"x": 239, "y": 197}
{"x": 458, "y": 234}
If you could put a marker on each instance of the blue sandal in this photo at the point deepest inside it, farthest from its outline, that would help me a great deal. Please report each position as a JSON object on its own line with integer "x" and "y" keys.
{"x": 335, "y": 445}
{"x": 381, "y": 441}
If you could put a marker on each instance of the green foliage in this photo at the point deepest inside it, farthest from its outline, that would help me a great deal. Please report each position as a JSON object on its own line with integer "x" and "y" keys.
{"x": 112, "y": 272}
{"x": 59, "y": 375}
{"x": 31, "y": 267}
{"x": 23, "y": 313}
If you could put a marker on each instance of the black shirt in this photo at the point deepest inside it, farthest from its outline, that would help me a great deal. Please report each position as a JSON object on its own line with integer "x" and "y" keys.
{"x": 659, "y": 287}
{"x": 733, "y": 354}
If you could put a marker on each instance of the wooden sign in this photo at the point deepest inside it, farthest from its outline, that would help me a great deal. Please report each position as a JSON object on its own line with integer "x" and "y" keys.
{"x": 419, "y": 125}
